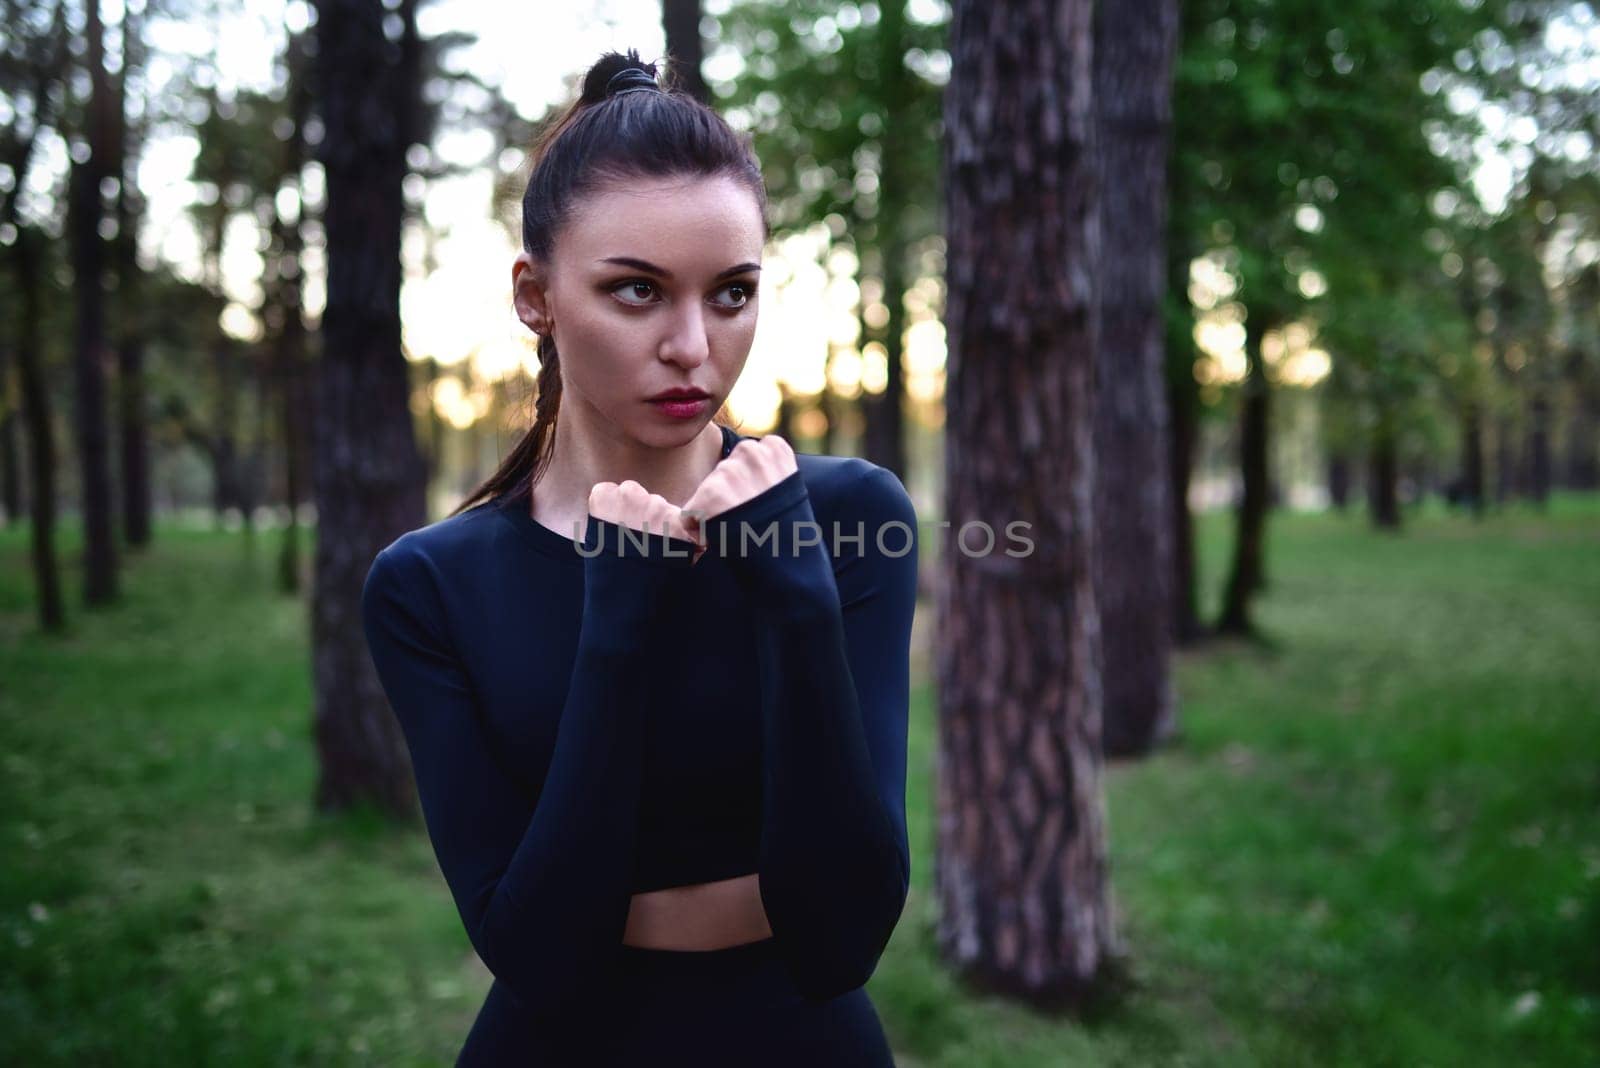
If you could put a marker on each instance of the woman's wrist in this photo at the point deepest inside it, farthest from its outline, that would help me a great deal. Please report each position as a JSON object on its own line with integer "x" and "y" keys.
{"x": 646, "y": 548}
{"x": 777, "y": 550}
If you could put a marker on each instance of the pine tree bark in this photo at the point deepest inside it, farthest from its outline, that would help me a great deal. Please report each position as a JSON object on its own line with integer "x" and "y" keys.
{"x": 1133, "y": 54}
{"x": 367, "y": 473}
{"x": 1021, "y": 868}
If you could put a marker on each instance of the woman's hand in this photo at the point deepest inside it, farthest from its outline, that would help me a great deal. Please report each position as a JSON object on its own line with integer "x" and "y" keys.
{"x": 631, "y": 505}
{"x": 752, "y": 466}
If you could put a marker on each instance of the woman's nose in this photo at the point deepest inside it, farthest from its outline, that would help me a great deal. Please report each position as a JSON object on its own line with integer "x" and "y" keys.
{"x": 687, "y": 343}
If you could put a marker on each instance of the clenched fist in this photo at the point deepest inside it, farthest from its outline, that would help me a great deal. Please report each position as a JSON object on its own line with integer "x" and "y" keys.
{"x": 752, "y": 466}
{"x": 631, "y": 505}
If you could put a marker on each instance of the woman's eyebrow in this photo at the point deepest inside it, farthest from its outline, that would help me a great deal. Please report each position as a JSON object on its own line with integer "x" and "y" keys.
{"x": 662, "y": 272}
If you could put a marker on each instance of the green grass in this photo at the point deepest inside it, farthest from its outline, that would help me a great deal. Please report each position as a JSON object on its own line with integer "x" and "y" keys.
{"x": 1377, "y": 840}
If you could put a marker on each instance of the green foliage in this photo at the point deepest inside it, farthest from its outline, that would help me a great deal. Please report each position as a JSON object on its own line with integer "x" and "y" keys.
{"x": 843, "y": 101}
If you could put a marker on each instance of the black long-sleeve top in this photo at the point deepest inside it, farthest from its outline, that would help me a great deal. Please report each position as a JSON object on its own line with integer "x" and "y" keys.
{"x": 593, "y": 719}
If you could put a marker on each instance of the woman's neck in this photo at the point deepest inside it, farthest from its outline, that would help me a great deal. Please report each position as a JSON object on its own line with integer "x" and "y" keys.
{"x": 582, "y": 457}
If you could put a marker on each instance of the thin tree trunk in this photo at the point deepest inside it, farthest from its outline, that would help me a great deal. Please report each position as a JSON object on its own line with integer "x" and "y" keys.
{"x": 1133, "y": 100}
{"x": 1247, "y": 575}
{"x": 289, "y": 351}
{"x": 1507, "y": 483}
{"x": 91, "y": 354}
{"x": 1472, "y": 484}
{"x": 368, "y": 476}
{"x": 28, "y": 265}
{"x": 1021, "y": 868}
{"x": 1184, "y": 409}
{"x": 1339, "y": 481}
{"x": 1183, "y": 405}
{"x": 680, "y": 19}
{"x": 133, "y": 425}
{"x": 884, "y": 413}
{"x": 1384, "y": 498}
{"x": 10, "y": 444}
{"x": 1539, "y": 447}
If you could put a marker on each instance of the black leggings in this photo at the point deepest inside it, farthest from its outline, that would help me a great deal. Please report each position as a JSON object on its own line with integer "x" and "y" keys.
{"x": 734, "y": 1006}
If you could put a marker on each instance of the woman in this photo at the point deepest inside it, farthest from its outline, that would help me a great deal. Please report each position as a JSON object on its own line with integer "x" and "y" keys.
{"x": 662, "y": 760}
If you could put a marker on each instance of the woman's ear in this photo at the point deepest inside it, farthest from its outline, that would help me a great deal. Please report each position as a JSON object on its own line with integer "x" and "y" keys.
{"x": 529, "y": 295}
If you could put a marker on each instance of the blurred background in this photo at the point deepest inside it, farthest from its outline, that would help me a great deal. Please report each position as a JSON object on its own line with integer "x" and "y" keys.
{"x": 1337, "y": 768}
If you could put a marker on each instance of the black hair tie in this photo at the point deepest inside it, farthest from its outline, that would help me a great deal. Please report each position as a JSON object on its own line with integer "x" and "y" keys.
{"x": 631, "y": 80}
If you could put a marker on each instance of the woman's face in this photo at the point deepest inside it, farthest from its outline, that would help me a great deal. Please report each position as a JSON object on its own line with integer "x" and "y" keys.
{"x": 651, "y": 286}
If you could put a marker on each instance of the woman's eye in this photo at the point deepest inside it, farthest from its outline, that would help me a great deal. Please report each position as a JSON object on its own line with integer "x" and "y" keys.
{"x": 740, "y": 294}
{"x": 628, "y": 290}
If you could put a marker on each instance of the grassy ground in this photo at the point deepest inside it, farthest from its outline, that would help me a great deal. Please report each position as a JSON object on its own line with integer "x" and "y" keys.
{"x": 1376, "y": 842}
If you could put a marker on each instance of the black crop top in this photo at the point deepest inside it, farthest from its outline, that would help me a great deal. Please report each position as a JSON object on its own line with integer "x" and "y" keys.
{"x": 590, "y": 720}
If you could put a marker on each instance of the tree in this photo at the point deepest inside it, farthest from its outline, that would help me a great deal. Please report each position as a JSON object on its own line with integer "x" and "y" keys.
{"x": 368, "y": 476}
{"x": 1021, "y": 865}
{"x": 680, "y": 19}
{"x": 1133, "y": 52}
{"x": 90, "y": 167}
{"x": 33, "y": 59}
{"x": 133, "y": 426}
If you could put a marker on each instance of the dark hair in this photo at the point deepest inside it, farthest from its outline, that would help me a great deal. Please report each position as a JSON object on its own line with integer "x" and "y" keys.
{"x": 623, "y": 125}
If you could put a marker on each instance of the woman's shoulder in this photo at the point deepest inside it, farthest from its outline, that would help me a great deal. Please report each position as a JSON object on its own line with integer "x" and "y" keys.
{"x": 443, "y": 548}
{"x": 850, "y": 488}
{"x": 862, "y": 507}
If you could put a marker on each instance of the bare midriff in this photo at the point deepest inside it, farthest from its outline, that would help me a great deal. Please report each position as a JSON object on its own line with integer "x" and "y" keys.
{"x": 700, "y": 916}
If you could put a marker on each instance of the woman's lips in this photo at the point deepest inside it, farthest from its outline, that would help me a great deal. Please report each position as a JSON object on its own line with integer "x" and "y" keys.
{"x": 681, "y": 407}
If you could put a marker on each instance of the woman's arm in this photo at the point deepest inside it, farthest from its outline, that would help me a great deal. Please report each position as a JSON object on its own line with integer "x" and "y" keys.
{"x": 544, "y": 888}
{"x": 834, "y": 655}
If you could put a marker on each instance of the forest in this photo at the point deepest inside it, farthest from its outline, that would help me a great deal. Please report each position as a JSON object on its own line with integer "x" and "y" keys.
{"x": 1277, "y": 323}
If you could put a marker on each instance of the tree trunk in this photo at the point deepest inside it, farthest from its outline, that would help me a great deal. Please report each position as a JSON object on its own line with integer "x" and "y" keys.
{"x": 1539, "y": 447}
{"x": 1021, "y": 867}
{"x": 1133, "y": 54}
{"x": 90, "y": 353}
{"x": 225, "y": 489}
{"x": 884, "y": 413}
{"x": 28, "y": 265}
{"x": 1339, "y": 481}
{"x": 289, "y": 350}
{"x": 133, "y": 424}
{"x": 1472, "y": 484}
{"x": 367, "y": 475}
{"x": 1507, "y": 483}
{"x": 1384, "y": 493}
{"x": 788, "y": 415}
{"x": 1247, "y": 575}
{"x": 10, "y": 446}
{"x": 680, "y": 19}
{"x": 1185, "y": 411}
{"x": 1183, "y": 393}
